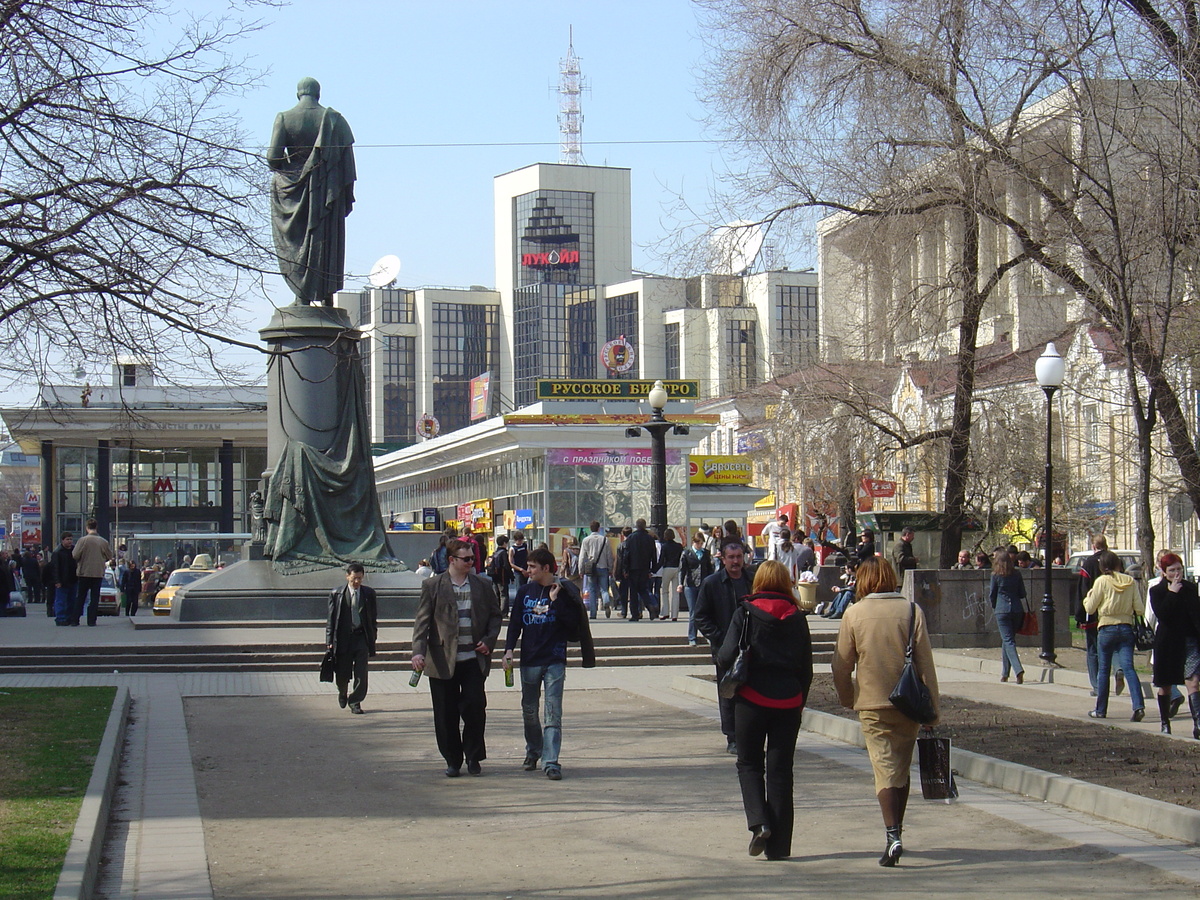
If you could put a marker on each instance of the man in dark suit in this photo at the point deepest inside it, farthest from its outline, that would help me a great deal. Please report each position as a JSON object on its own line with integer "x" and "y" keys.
{"x": 719, "y": 595}
{"x": 639, "y": 558}
{"x": 454, "y": 633}
{"x": 350, "y": 632}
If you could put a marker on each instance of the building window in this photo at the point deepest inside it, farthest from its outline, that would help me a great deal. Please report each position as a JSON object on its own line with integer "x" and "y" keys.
{"x": 671, "y": 348}
{"x": 554, "y": 336}
{"x": 466, "y": 343}
{"x": 364, "y": 355}
{"x": 795, "y": 328}
{"x": 129, "y": 376}
{"x": 740, "y": 348}
{"x": 399, "y": 390}
{"x": 623, "y": 322}
{"x": 397, "y": 307}
{"x": 555, "y": 238}
{"x": 364, "y": 308}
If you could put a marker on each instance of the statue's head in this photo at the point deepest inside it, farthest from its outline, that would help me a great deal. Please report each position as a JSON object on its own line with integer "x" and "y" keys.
{"x": 308, "y": 87}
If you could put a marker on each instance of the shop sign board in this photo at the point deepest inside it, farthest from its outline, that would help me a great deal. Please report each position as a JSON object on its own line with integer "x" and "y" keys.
{"x": 605, "y": 419}
{"x": 618, "y": 355}
{"x": 719, "y": 470}
{"x": 31, "y": 531}
{"x": 602, "y": 457}
{"x": 430, "y": 519}
{"x": 612, "y": 389}
{"x": 481, "y": 396}
{"x": 477, "y": 514}
{"x": 523, "y": 519}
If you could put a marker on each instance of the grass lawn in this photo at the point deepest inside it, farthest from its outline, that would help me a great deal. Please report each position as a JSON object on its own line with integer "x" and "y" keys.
{"x": 48, "y": 743}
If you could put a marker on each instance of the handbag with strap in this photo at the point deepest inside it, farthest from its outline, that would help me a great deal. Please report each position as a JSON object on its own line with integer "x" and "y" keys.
{"x": 1143, "y": 634}
{"x": 1029, "y": 624}
{"x": 739, "y": 673}
{"x": 937, "y": 774}
{"x": 910, "y": 695}
{"x": 327, "y": 666}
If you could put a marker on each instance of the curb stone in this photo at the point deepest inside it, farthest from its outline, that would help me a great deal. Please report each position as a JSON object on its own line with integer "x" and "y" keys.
{"x": 1154, "y": 816}
{"x": 1033, "y": 673}
{"x": 77, "y": 880}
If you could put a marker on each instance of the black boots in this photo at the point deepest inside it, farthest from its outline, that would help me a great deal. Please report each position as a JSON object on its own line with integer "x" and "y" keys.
{"x": 1164, "y": 712}
{"x": 1194, "y": 706}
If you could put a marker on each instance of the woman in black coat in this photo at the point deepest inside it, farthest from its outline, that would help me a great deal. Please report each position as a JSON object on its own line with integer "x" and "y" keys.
{"x": 1176, "y": 605}
{"x": 767, "y": 707}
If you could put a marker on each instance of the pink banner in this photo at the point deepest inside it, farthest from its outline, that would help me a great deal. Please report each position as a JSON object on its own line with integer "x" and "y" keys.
{"x": 601, "y": 457}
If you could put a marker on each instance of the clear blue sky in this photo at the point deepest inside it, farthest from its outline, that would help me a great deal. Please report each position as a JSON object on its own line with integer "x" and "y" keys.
{"x": 485, "y": 73}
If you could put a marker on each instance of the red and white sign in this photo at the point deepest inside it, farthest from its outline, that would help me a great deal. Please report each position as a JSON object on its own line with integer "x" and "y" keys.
{"x": 617, "y": 355}
{"x": 428, "y": 426}
{"x": 551, "y": 258}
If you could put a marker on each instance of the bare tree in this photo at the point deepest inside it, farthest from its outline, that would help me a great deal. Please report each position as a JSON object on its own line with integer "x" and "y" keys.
{"x": 130, "y": 220}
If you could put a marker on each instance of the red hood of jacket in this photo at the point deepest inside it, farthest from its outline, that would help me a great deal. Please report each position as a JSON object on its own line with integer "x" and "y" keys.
{"x": 778, "y": 605}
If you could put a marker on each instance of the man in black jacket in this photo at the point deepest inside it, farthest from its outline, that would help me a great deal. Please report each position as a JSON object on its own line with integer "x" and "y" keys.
{"x": 639, "y": 559}
{"x": 715, "y": 604}
{"x": 62, "y": 564}
{"x": 350, "y": 632}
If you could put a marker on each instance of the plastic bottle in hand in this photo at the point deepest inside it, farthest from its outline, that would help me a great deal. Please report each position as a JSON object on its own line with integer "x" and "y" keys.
{"x": 415, "y": 679}
{"x": 508, "y": 673}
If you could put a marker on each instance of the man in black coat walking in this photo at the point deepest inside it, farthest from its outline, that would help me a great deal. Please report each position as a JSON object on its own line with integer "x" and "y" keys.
{"x": 639, "y": 559}
{"x": 350, "y": 632}
{"x": 719, "y": 596}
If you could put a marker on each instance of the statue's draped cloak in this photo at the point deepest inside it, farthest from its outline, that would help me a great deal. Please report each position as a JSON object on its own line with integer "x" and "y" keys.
{"x": 309, "y": 209}
{"x": 321, "y": 505}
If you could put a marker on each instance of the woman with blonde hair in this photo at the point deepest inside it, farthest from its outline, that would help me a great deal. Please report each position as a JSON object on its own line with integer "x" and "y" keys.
{"x": 767, "y": 707}
{"x": 866, "y": 666}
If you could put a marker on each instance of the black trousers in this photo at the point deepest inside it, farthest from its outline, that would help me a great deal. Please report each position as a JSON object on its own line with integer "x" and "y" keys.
{"x": 460, "y": 698}
{"x": 766, "y": 743}
{"x": 351, "y": 661}
{"x": 639, "y": 595}
{"x": 87, "y": 590}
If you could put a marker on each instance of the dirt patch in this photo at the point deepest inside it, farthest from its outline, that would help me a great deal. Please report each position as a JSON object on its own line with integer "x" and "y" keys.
{"x": 1142, "y": 764}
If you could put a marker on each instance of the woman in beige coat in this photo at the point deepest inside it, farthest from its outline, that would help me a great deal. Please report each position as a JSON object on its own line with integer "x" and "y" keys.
{"x": 866, "y": 666}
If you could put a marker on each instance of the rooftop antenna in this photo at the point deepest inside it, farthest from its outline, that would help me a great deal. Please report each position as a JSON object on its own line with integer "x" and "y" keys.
{"x": 571, "y": 84}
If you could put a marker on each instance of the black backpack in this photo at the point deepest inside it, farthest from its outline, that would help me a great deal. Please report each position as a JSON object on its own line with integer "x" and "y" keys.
{"x": 497, "y": 564}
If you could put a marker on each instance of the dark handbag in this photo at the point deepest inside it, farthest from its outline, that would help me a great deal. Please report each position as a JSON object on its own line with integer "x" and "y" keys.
{"x": 327, "y": 666}
{"x": 910, "y": 695}
{"x": 739, "y": 673}
{"x": 937, "y": 775}
{"x": 1143, "y": 634}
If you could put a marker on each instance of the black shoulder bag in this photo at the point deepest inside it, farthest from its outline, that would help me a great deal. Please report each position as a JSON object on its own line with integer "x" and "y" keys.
{"x": 910, "y": 695}
{"x": 739, "y": 673}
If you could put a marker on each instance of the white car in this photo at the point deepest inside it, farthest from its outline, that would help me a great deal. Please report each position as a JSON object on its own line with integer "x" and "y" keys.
{"x": 110, "y": 598}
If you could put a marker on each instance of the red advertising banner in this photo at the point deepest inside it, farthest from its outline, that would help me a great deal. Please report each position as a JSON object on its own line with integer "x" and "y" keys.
{"x": 481, "y": 396}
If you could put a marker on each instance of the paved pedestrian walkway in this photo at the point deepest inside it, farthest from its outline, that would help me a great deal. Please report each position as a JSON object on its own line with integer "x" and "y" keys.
{"x": 257, "y": 785}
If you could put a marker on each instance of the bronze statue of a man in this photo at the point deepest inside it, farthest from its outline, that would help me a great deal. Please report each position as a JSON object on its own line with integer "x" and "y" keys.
{"x": 312, "y": 192}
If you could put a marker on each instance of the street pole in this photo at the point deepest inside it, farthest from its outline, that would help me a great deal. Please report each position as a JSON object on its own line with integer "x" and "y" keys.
{"x": 1049, "y": 370}
{"x": 658, "y": 426}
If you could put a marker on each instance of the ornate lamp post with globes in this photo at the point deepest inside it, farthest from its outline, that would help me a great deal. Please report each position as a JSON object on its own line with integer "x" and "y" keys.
{"x": 1049, "y": 371}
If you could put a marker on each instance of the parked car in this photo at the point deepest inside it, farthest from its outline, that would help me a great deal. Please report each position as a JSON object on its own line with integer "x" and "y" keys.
{"x": 177, "y": 579}
{"x": 110, "y": 598}
{"x": 1131, "y": 558}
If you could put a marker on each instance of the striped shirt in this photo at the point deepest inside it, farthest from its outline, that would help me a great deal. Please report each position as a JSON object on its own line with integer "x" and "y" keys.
{"x": 466, "y": 643}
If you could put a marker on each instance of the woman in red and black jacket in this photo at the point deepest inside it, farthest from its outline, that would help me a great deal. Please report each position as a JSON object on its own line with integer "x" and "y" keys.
{"x": 768, "y": 706}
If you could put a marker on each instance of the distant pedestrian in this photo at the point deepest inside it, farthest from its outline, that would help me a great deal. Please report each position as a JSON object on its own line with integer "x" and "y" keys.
{"x": 1006, "y": 593}
{"x": 1176, "y": 606}
{"x": 964, "y": 560}
{"x": 596, "y": 563}
{"x": 454, "y": 633}
{"x": 695, "y": 565}
{"x": 423, "y": 569}
{"x": 1114, "y": 599}
{"x": 31, "y": 572}
{"x": 62, "y": 563}
{"x": 867, "y": 663}
{"x": 351, "y": 629}
{"x": 477, "y": 547}
{"x": 767, "y": 708}
{"x": 903, "y": 556}
{"x": 500, "y": 571}
{"x": 719, "y": 596}
{"x": 129, "y": 583}
{"x": 670, "y": 555}
{"x": 518, "y": 556}
{"x": 806, "y": 553}
{"x": 640, "y": 558}
{"x": 92, "y": 553}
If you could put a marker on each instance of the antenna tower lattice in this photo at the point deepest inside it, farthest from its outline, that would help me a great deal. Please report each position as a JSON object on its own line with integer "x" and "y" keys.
{"x": 571, "y": 85}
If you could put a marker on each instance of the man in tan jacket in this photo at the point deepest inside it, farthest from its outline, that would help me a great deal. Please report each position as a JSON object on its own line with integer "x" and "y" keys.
{"x": 454, "y": 633}
{"x": 92, "y": 553}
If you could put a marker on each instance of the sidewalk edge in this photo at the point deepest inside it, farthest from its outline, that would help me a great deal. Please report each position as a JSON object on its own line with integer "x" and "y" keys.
{"x": 77, "y": 881}
{"x": 1155, "y": 816}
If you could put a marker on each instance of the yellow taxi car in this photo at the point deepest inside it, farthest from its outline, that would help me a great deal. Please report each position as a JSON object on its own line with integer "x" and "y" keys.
{"x": 201, "y": 566}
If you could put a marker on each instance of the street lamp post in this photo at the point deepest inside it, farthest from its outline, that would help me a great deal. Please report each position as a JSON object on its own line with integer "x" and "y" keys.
{"x": 657, "y": 427}
{"x": 1049, "y": 372}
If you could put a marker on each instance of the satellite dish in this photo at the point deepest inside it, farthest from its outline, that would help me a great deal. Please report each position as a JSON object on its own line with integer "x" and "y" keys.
{"x": 735, "y": 246}
{"x": 385, "y": 271}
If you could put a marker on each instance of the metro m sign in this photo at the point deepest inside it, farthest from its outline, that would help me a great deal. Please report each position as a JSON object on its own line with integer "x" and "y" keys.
{"x": 163, "y": 485}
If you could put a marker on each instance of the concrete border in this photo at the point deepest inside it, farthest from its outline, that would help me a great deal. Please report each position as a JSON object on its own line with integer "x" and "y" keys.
{"x": 77, "y": 881}
{"x": 1154, "y": 816}
{"x": 1035, "y": 673}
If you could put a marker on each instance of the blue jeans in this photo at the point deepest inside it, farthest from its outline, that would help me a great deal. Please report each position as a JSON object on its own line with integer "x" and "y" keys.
{"x": 691, "y": 593}
{"x": 543, "y": 741}
{"x": 1008, "y": 623}
{"x": 64, "y": 606}
{"x": 1116, "y": 640}
{"x": 597, "y": 585}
